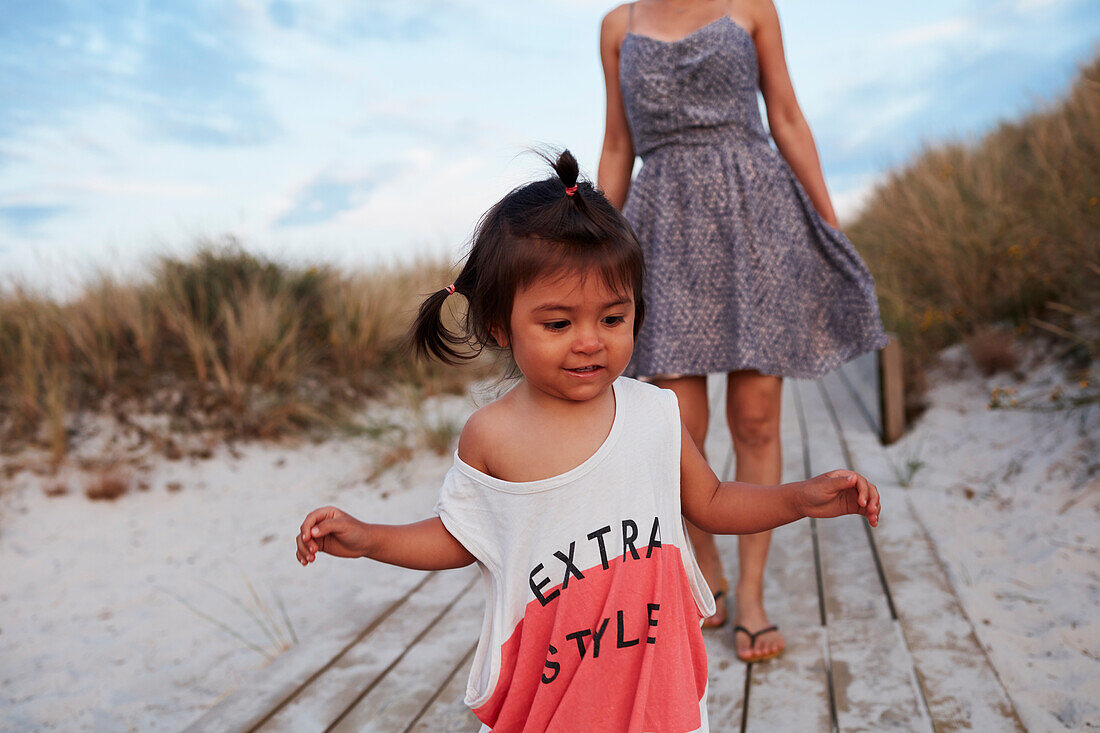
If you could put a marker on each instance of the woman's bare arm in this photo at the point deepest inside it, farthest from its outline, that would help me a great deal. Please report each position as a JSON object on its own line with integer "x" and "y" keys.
{"x": 617, "y": 156}
{"x": 788, "y": 126}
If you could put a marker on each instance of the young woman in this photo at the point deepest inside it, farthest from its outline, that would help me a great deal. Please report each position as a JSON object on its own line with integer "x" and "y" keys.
{"x": 746, "y": 272}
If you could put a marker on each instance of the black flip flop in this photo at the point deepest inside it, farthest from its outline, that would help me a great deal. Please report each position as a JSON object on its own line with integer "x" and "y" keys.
{"x": 752, "y": 642}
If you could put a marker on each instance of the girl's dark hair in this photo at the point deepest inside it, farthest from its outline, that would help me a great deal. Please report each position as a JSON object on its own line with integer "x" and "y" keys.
{"x": 536, "y": 229}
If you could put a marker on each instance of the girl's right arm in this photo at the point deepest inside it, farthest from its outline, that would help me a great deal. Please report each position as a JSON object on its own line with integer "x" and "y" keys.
{"x": 424, "y": 545}
{"x": 617, "y": 157}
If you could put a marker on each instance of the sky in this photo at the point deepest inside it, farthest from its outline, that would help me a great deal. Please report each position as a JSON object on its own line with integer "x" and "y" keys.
{"x": 364, "y": 133}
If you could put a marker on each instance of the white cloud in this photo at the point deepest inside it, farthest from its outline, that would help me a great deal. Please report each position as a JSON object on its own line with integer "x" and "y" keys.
{"x": 885, "y": 115}
{"x": 139, "y": 187}
{"x": 849, "y": 203}
{"x": 449, "y": 115}
{"x": 1033, "y": 6}
{"x": 930, "y": 34}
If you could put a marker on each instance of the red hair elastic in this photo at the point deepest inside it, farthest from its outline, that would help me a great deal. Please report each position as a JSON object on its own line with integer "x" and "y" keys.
{"x": 571, "y": 190}
{"x": 450, "y": 289}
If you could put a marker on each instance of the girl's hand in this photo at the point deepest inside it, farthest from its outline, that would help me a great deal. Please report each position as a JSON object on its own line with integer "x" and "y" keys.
{"x": 837, "y": 493}
{"x": 331, "y": 530}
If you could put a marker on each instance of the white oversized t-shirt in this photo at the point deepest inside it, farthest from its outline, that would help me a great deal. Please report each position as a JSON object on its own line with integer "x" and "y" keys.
{"x": 594, "y": 598}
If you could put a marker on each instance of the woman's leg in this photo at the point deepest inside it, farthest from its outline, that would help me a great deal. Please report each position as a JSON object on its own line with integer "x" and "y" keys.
{"x": 753, "y": 407}
{"x": 691, "y": 393}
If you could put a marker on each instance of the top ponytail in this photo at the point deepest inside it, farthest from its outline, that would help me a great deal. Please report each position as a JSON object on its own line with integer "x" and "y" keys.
{"x": 560, "y": 224}
{"x": 566, "y": 167}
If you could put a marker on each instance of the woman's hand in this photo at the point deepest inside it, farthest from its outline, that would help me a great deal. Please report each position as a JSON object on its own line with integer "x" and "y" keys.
{"x": 331, "y": 530}
{"x": 837, "y": 493}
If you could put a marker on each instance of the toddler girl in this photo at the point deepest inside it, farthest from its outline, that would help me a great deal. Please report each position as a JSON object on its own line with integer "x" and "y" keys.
{"x": 569, "y": 490}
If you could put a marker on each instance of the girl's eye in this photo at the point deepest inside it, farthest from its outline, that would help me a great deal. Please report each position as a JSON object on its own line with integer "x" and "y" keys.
{"x": 557, "y": 325}
{"x": 614, "y": 320}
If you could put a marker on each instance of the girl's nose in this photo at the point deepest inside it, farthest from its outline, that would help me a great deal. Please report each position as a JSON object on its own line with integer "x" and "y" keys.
{"x": 587, "y": 341}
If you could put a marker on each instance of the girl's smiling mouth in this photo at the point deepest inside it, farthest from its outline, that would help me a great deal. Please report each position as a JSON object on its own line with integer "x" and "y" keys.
{"x": 590, "y": 369}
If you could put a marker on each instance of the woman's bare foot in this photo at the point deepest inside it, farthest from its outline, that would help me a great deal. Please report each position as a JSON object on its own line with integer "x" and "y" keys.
{"x": 751, "y": 616}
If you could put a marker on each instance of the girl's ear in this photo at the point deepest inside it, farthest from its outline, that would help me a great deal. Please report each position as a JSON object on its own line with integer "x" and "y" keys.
{"x": 499, "y": 336}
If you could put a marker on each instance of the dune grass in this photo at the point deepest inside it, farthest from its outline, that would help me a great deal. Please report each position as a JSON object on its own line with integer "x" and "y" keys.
{"x": 1002, "y": 233}
{"x": 967, "y": 240}
{"x": 233, "y": 341}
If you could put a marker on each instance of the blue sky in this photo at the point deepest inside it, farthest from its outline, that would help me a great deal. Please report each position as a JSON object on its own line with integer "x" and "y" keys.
{"x": 363, "y": 132}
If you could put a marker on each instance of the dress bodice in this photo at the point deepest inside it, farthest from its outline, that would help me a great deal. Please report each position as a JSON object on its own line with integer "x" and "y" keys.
{"x": 700, "y": 89}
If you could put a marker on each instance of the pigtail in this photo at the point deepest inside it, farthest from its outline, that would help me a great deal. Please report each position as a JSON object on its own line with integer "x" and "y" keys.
{"x": 430, "y": 338}
{"x": 545, "y": 226}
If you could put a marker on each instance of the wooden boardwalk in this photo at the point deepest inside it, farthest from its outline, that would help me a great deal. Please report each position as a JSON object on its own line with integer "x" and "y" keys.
{"x": 876, "y": 638}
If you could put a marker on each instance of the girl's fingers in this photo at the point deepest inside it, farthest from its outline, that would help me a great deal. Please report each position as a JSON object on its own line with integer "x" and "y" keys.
{"x": 310, "y": 520}
{"x": 314, "y": 518}
{"x": 324, "y": 527}
{"x": 873, "y": 507}
{"x": 865, "y": 494}
{"x": 307, "y": 547}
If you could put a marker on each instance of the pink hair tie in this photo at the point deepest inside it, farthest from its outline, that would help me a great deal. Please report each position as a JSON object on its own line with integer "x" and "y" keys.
{"x": 571, "y": 190}
{"x": 450, "y": 289}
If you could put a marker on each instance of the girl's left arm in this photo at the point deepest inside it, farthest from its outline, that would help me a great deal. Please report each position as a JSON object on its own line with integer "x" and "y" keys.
{"x": 788, "y": 126}
{"x": 730, "y": 507}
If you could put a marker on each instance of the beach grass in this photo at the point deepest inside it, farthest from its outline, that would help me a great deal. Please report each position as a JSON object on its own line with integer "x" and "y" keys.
{"x": 225, "y": 340}
{"x": 977, "y": 241}
{"x": 987, "y": 240}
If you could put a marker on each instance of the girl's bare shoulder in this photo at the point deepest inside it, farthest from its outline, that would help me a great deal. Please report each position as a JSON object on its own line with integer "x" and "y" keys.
{"x": 484, "y": 430}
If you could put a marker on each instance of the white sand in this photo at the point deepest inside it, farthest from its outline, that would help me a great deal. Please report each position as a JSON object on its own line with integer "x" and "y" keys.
{"x": 91, "y": 636}
{"x": 1011, "y": 498}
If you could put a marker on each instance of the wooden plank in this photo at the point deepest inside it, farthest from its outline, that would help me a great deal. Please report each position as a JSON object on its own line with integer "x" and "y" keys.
{"x": 726, "y": 673}
{"x": 719, "y": 445}
{"x": 861, "y": 379}
{"x": 874, "y": 684}
{"x": 800, "y": 673}
{"x": 892, "y": 379}
{"x": 395, "y": 702}
{"x": 267, "y": 690}
{"x": 958, "y": 682}
{"x": 448, "y": 711}
{"x": 790, "y": 594}
{"x": 368, "y": 661}
{"x": 864, "y": 442}
{"x": 872, "y": 678}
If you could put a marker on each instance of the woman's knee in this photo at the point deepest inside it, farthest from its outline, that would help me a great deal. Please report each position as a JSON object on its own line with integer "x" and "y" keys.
{"x": 754, "y": 408}
{"x": 755, "y": 431}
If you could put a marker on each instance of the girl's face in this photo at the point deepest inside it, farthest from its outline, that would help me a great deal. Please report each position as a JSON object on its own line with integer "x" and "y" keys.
{"x": 571, "y": 335}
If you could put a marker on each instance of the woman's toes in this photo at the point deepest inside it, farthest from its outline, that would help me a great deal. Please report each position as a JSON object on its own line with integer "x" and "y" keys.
{"x": 769, "y": 644}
